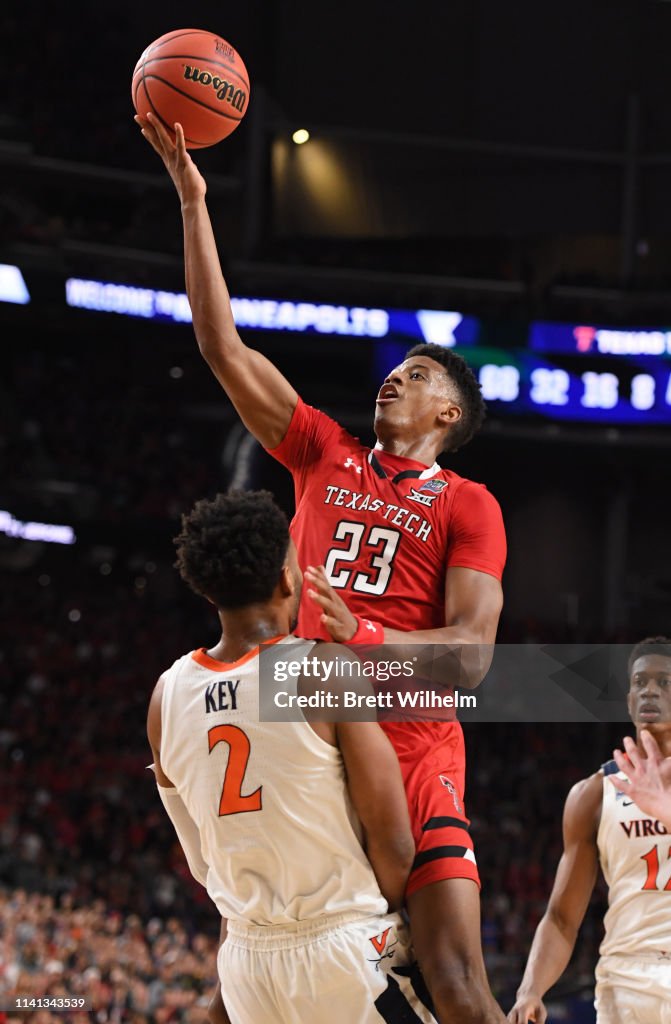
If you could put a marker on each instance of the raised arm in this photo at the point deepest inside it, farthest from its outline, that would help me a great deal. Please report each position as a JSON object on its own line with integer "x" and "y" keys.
{"x": 262, "y": 396}
{"x": 557, "y": 932}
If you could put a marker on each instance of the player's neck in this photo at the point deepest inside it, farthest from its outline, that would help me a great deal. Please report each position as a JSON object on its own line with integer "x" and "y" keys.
{"x": 662, "y": 734}
{"x": 422, "y": 450}
{"x": 243, "y": 629}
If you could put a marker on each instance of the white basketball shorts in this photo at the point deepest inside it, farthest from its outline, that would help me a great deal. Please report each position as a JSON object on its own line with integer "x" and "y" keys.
{"x": 633, "y": 989}
{"x": 339, "y": 968}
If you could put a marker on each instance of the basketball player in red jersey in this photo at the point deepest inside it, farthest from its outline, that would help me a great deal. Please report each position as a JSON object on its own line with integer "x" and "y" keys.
{"x": 417, "y": 548}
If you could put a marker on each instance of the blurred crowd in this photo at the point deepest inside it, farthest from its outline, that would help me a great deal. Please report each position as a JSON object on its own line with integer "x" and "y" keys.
{"x": 125, "y": 968}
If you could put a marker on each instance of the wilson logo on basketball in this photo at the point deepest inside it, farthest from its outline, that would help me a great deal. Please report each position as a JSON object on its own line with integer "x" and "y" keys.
{"x": 225, "y": 91}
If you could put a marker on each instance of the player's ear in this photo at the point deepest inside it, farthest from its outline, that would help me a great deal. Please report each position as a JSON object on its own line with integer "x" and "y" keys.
{"x": 449, "y": 414}
{"x": 286, "y": 582}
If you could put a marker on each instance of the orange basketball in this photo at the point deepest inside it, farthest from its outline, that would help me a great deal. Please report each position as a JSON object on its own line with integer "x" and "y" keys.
{"x": 195, "y": 78}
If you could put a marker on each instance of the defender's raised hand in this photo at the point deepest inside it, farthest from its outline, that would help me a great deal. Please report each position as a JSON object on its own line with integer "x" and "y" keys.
{"x": 649, "y": 776}
{"x": 336, "y": 617}
{"x": 188, "y": 180}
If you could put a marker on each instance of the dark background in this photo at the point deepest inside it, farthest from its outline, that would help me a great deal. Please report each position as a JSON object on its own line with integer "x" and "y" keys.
{"x": 506, "y": 161}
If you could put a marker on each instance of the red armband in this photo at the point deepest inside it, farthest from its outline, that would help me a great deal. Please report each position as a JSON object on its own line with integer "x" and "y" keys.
{"x": 368, "y": 632}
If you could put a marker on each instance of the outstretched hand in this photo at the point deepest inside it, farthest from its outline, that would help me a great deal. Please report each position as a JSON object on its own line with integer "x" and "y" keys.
{"x": 336, "y": 616}
{"x": 189, "y": 182}
{"x": 648, "y": 772}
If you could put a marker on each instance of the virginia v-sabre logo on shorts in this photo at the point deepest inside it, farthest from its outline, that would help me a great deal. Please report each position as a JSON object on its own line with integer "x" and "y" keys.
{"x": 225, "y": 91}
{"x": 428, "y": 492}
{"x": 381, "y": 948}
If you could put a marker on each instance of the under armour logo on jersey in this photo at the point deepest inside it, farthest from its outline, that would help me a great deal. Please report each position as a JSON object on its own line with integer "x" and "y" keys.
{"x": 354, "y": 465}
{"x": 370, "y": 626}
{"x": 455, "y": 797}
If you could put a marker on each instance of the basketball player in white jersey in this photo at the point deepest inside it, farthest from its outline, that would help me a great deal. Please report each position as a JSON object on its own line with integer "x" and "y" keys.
{"x": 601, "y": 825}
{"x": 274, "y": 817}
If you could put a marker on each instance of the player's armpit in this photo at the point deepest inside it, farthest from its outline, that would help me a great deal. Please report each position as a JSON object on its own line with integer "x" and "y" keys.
{"x": 376, "y": 790}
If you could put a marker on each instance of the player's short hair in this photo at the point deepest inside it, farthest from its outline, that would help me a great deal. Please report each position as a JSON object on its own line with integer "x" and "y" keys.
{"x": 232, "y": 548}
{"x": 651, "y": 645}
{"x": 473, "y": 408}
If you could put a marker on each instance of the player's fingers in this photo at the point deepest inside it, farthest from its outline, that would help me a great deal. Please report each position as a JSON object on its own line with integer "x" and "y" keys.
{"x": 650, "y": 745}
{"x": 518, "y": 1015}
{"x": 333, "y": 626}
{"x": 318, "y": 574}
{"x": 150, "y": 136}
{"x": 623, "y": 762}
{"x": 325, "y": 602}
{"x": 317, "y": 597}
{"x": 622, "y": 785}
{"x": 162, "y": 134}
{"x": 317, "y": 582}
{"x": 632, "y": 751}
{"x": 180, "y": 142}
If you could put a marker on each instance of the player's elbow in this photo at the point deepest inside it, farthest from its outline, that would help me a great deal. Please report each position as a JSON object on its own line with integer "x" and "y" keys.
{"x": 475, "y": 658}
{"x": 216, "y": 347}
{"x": 391, "y": 855}
{"x": 563, "y": 923}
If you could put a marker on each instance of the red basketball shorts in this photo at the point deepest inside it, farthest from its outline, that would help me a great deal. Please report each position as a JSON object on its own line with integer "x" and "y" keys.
{"x": 434, "y": 778}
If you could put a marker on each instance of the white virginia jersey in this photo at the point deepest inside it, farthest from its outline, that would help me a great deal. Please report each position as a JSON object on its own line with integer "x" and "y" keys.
{"x": 635, "y": 854}
{"x": 277, "y": 830}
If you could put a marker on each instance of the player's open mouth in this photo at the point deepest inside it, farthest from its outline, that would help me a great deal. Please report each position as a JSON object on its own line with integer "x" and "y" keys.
{"x": 387, "y": 394}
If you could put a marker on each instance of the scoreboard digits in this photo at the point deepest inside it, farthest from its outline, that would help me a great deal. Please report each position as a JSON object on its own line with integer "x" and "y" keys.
{"x": 618, "y": 395}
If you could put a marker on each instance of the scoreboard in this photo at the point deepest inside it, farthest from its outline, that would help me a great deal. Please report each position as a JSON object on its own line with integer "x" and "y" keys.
{"x": 582, "y": 373}
{"x": 572, "y": 373}
{"x": 618, "y": 390}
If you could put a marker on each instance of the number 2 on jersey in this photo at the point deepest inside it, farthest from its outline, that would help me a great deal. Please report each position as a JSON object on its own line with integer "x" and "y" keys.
{"x": 381, "y": 562}
{"x": 232, "y": 801}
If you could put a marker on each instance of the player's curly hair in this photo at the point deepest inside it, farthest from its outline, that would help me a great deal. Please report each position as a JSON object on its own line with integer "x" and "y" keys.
{"x": 651, "y": 645}
{"x": 232, "y": 548}
{"x": 473, "y": 408}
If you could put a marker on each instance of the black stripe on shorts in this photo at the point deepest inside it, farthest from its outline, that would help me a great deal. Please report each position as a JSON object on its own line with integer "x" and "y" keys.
{"x": 438, "y": 853}
{"x": 444, "y": 823}
{"x": 393, "y": 1007}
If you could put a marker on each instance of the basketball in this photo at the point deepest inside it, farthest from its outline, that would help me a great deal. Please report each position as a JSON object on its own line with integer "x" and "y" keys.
{"x": 195, "y": 78}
